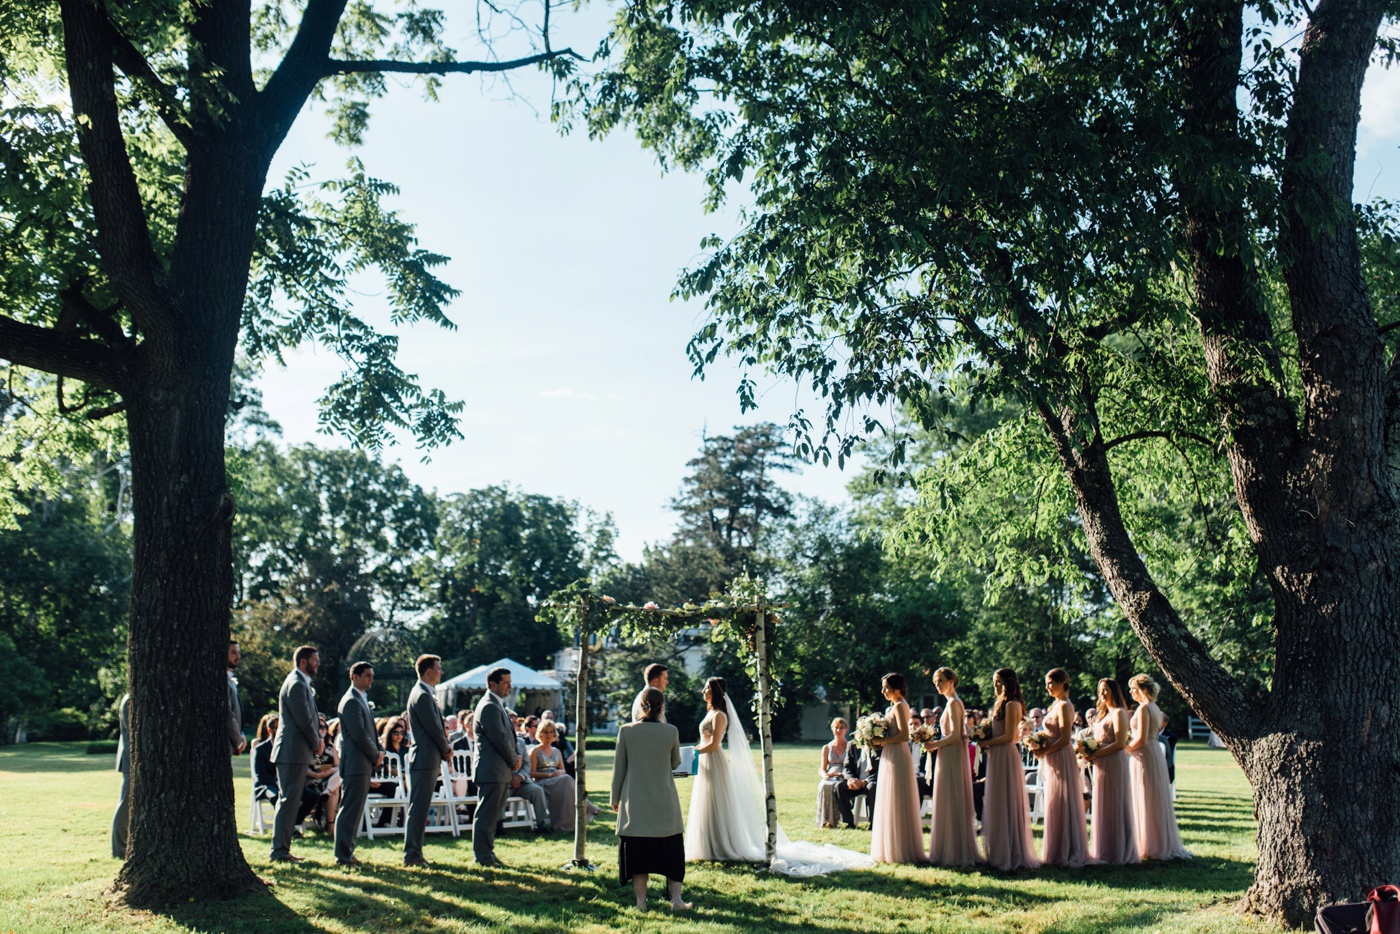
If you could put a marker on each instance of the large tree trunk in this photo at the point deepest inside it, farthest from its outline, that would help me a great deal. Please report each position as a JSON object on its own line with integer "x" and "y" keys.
{"x": 184, "y": 840}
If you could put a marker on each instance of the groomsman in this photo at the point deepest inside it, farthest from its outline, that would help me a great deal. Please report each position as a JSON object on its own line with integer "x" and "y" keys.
{"x": 121, "y": 819}
{"x": 656, "y": 676}
{"x": 430, "y": 747}
{"x": 494, "y": 758}
{"x": 237, "y": 742}
{"x": 360, "y": 755}
{"x": 861, "y": 771}
{"x": 297, "y": 743}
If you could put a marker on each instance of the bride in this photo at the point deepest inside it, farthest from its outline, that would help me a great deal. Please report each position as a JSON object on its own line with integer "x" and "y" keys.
{"x": 726, "y": 820}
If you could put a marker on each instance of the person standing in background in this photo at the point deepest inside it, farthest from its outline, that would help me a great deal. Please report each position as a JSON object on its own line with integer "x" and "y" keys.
{"x": 121, "y": 820}
{"x": 237, "y": 741}
{"x": 296, "y": 745}
{"x": 360, "y": 755}
{"x": 430, "y": 747}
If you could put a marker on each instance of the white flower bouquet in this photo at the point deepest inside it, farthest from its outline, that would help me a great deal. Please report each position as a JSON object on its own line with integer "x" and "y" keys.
{"x": 1085, "y": 742}
{"x": 981, "y": 732}
{"x": 923, "y": 733}
{"x": 869, "y": 728}
{"x": 1038, "y": 739}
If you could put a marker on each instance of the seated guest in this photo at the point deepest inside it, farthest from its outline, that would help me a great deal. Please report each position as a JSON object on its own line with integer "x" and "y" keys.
{"x": 453, "y": 727}
{"x": 323, "y": 779}
{"x": 829, "y": 776}
{"x": 393, "y": 737}
{"x": 547, "y": 769}
{"x": 917, "y": 750}
{"x": 530, "y": 729}
{"x": 467, "y": 722}
{"x": 861, "y": 771}
{"x": 523, "y": 786}
{"x": 264, "y": 771}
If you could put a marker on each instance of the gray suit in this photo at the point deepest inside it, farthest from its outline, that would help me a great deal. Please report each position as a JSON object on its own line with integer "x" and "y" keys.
{"x": 293, "y": 749}
{"x": 235, "y": 717}
{"x": 493, "y": 760}
{"x": 121, "y": 819}
{"x": 359, "y": 751}
{"x": 424, "y": 765}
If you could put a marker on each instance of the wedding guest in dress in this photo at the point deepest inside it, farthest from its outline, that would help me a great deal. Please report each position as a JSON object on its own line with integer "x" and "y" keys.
{"x": 547, "y": 769}
{"x": 121, "y": 817}
{"x": 655, "y": 676}
{"x": 1114, "y": 839}
{"x": 1153, "y": 814}
{"x": 897, "y": 833}
{"x": 264, "y": 772}
{"x": 1066, "y": 842}
{"x": 360, "y": 755}
{"x": 494, "y": 759}
{"x": 297, "y": 743}
{"x": 1006, "y": 818}
{"x": 860, "y": 773}
{"x": 830, "y": 777}
{"x": 952, "y": 836}
{"x": 916, "y": 749}
{"x": 650, "y": 832}
{"x": 425, "y": 756}
{"x": 322, "y": 779}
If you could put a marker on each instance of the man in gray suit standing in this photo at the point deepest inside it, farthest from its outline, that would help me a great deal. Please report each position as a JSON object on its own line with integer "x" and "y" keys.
{"x": 430, "y": 747}
{"x": 656, "y": 676}
{"x": 122, "y": 818}
{"x": 494, "y": 759}
{"x": 297, "y": 742}
{"x": 360, "y": 755}
{"x": 237, "y": 742}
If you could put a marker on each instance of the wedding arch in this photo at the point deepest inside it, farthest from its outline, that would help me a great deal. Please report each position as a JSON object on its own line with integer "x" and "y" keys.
{"x": 743, "y": 614}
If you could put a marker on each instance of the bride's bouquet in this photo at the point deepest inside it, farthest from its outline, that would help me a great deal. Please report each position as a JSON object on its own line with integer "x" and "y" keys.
{"x": 1038, "y": 739}
{"x": 981, "y": 732}
{"x": 870, "y": 727}
{"x": 1085, "y": 742}
{"x": 923, "y": 733}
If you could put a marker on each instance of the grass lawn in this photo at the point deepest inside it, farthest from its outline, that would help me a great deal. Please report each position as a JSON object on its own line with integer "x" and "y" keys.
{"x": 56, "y": 808}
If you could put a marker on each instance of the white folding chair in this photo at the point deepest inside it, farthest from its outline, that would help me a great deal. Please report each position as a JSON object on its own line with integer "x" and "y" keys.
{"x": 442, "y": 813}
{"x": 389, "y": 771}
{"x": 925, "y": 811}
{"x": 1035, "y": 789}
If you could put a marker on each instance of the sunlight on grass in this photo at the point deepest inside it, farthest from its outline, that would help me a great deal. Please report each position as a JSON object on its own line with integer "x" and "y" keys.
{"x": 56, "y": 812}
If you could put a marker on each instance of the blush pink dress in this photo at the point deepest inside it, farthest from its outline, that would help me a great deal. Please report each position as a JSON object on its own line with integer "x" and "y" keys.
{"x": 1006, "y": 814}
{"x": 1114, "y": 840}
{"x": 1066, "y": 841}
{"x": 897, "y": 833}
{"x": 1153, "y": 814}
{"x": 952, "y": 836}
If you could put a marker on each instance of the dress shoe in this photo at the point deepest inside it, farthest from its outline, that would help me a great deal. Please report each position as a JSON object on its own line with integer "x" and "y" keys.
{"x": 418, "y": 861}
{"x": 289, "y": 858}
{"x": 352, "y": 861}
{"x": 492, "y": 863}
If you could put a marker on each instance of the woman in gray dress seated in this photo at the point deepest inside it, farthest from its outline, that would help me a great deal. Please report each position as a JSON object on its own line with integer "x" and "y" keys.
{"x": 650, "y": 830}
{"x": 547, "y": 769}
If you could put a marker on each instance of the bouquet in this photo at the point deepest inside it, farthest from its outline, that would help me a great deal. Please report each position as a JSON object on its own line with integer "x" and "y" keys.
{"x": 923, "y": 733}
{"x": 980, "y": 732}
{"x": 1084, "y": 742}
{"x": 870, "y": 727}
{"x": 1038, "y": 739}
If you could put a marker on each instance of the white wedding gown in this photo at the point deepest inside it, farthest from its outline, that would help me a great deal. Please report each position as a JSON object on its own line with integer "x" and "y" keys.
{"x": 727, "y": 816}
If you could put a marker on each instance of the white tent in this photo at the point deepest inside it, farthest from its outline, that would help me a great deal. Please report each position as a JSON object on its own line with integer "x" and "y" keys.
{"x": 538, "y": 690}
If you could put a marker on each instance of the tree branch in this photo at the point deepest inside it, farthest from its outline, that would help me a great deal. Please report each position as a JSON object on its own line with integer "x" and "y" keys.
{"x": 62, "y": 354}
{"x": 339, "y": 67}
{"x": 299, "y": 71}
{"x": 123, "y": 237}
{"x": 135, "y": 66}
{"x": 1168, "y": 435}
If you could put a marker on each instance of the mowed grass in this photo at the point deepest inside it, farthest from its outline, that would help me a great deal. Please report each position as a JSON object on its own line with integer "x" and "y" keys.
{"x": 55, "y": 814}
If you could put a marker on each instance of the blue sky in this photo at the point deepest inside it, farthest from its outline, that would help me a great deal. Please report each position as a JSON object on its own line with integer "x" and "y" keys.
{"x": 568, "y": 351}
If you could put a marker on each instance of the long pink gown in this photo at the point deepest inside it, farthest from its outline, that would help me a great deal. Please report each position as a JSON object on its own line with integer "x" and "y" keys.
{"x": 1153, "y": 814}
{"x": 952, "y": 836}
{"x": 1066, "y": 841}
{"x": 1006, "y": 814}
{"x": 1114, "y": 840}
{"x": 897, "y": 833}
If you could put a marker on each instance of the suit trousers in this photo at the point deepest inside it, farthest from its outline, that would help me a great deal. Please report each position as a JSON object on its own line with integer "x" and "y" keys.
{"x": 845, "y": 797}
{"x": 121, "y": 819}
{"x": 421, "y": 784}
{"x": 533, "y": 793}
{"x": 291, "y": 781}
{"x": 354, "y": 789}
{"x": 488, "y": 813}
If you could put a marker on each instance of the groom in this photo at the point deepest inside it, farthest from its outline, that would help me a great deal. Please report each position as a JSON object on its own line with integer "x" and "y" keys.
{"x": 655, "y": 676}
{"x": 861, "y": 771}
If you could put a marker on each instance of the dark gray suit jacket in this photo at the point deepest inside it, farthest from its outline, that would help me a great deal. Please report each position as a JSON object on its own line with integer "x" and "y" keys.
{"x": 359, "y": 744}
{"x": 430, "y": 745}
{"x": 495, "y": 750}
{"x": 124, "y": 734}
{"x": 235, "y": 717}
{"x": 298, "y": 733}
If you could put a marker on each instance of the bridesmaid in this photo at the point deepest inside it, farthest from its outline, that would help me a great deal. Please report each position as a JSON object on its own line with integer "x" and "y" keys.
{"x": 1066, "y": 843}
{"x": 952, "y": 837}
{"x": 1153, "y": 814}
{"x": 897, "y": 833}
{"x": 1006, "y": 817}
{"x": 1115, "y": 840}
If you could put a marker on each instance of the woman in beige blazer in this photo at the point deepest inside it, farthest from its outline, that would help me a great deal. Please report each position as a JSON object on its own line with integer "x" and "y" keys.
{"x": 650, "y": 831}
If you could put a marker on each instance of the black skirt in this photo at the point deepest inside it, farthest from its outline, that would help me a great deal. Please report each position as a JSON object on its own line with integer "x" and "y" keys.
{"x": 641, "y": 856}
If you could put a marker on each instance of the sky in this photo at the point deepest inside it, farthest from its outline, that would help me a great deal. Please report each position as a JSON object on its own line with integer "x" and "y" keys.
{"x": 569, "y": 352}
